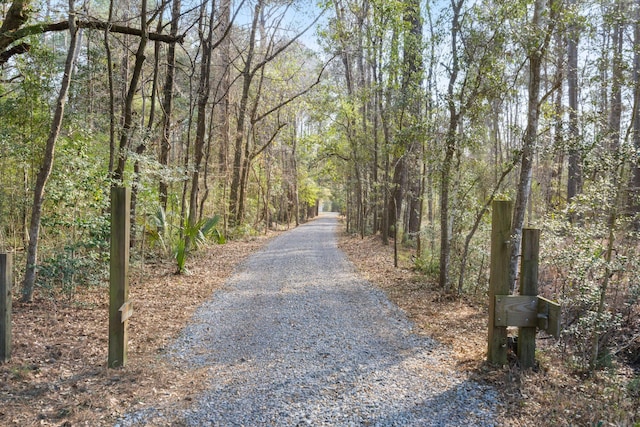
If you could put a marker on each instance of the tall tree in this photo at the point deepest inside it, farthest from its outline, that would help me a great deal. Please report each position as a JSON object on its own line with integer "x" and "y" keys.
{"x": 167, "y": 101}
{"x": 127, "y": 120}
{"x": 574, "y": 169}
{"x": 47, "y": 160}
{"x": 455, "y": 114}
{"x": 204, "y": 90}
{"x": 542, "y": 26}
{"x": 259, "y": 53}
{"x": 634, "y": 194}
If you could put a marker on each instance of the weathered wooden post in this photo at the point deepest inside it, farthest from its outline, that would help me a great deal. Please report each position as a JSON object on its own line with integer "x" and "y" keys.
{"x": 6, "y": 283}
{"x": 499, "y": 277}
{"x": 119, "y": 305}
{"x": 528, "y": 287}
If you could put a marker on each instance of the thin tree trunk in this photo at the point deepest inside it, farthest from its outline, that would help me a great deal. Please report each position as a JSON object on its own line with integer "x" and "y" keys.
{"x": 617, "y": 77}
{"x": 536, "y": 57}
{"x": 167, "y": 103}
{"x": 634, "y": 196}
{"x": 450, "y": 150}
{"x": 127, "y": 114}
{"x": 140, "y": 149}
{"x": 112, "y": 101}
{"x": 223, "y": 106}
{"x": 201, "y": 124}
{"x": 613, "y": 141}
{"x": 47, "y": 162}
{"x": 476, "y": 224}
{"x": 246, "y": 76}
{"x": 574, "y": 170}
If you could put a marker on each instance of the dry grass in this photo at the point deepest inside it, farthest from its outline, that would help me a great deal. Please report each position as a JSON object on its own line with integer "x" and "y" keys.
{"x": 551, "y": 395}
{"x": 57, "y": 375}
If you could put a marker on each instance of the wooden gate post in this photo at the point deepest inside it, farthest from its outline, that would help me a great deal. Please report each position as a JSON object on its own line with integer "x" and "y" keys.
{"x": 529, "y": 287}
{"x": 499, "y": 277}
{"x": 119, "y": 306}
{"x": 6, "y": 283}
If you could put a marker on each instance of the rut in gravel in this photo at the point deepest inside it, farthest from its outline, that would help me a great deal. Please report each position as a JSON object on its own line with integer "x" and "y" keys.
{"x": 296, "y": 337}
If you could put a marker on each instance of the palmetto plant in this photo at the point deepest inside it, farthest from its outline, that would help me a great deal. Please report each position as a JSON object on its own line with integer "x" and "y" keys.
{"x": 194, "y": 236}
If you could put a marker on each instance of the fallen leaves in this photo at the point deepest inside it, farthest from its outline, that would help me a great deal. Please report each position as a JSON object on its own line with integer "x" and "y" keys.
{"x": 552, "y": 395}
{"x": 58, "y": 375}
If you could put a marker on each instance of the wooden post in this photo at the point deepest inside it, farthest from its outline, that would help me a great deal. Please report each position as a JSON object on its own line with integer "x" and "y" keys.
{"x": 119, "y": 276}
{"x": 528, "y": 286}
{"x": 499, "y": 277}
{"x": 6, "y": 283}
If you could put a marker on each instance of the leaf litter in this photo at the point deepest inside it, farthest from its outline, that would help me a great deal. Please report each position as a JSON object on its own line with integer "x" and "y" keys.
{"x": 57, "y": 375}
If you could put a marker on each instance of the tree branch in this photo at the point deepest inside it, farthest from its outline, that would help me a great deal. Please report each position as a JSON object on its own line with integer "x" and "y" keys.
{"x": 294, "y": 97}
{"x": 8, "y": 37}
{"x": 15, "y": 50}
{"x": 120, "y": 29}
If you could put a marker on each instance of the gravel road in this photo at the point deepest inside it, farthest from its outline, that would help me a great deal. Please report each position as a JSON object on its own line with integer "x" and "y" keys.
{"x": 296, "y": 337}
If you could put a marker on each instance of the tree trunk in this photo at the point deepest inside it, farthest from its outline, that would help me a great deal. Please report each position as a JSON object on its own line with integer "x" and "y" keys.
{"x": 112, "y": 100}
{"x": 412, "y": 89}
{"x": 167, "y": 103}
{"x": 140, "y": 149}
{"x": 47, "y": 162}
{"x": 445, "y": 184}
{"x": 450, "y": 150}
{"x": 634, "y": 196}
{"x": 574, "y": 167}
{"x": 127, "y": 114}
{"x": 535, "y": 59}
{"x": 201, "y": 122}
{"x": 617, "y": 77}
{"x": 246, "y": 78}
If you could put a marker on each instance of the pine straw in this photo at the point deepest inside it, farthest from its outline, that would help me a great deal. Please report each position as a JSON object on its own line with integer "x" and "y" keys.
{"x": 58, "y": 375}
{"x": 553, "y": 394}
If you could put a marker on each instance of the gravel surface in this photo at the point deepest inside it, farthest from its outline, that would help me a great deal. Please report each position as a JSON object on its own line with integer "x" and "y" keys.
{"x": 296, "y": 337}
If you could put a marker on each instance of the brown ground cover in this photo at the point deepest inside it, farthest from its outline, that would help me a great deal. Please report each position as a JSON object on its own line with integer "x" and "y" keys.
{"x": 551, "y": 395}
{"x": 58, "y": 374}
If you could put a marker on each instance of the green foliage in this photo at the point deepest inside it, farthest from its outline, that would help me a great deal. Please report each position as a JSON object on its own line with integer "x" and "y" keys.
{"x": 71, "y": 267}
{"x": 81, "y": 262}
{"x": 243, "y": 231}
{"x": 427, "y": 265}
{"x": 633, "y": 387}
{"x": 155, "y": 227}
{"x": 576, "y": 264}
{"x": 194, "y": 236}
{"x": 75, "y": 219}
{"x": 180, "y": 254}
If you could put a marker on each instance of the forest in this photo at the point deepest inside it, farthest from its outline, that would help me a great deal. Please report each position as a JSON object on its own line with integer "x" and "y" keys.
{"x": 227, "y": 119}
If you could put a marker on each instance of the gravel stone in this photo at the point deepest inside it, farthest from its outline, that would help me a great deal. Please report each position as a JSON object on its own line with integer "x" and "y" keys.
{"x": 297, "y": 338}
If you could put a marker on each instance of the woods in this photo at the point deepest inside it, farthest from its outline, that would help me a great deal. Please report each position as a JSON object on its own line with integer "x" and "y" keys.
{"x": 231, "y": 118}
{"x": 527, "y": 101}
